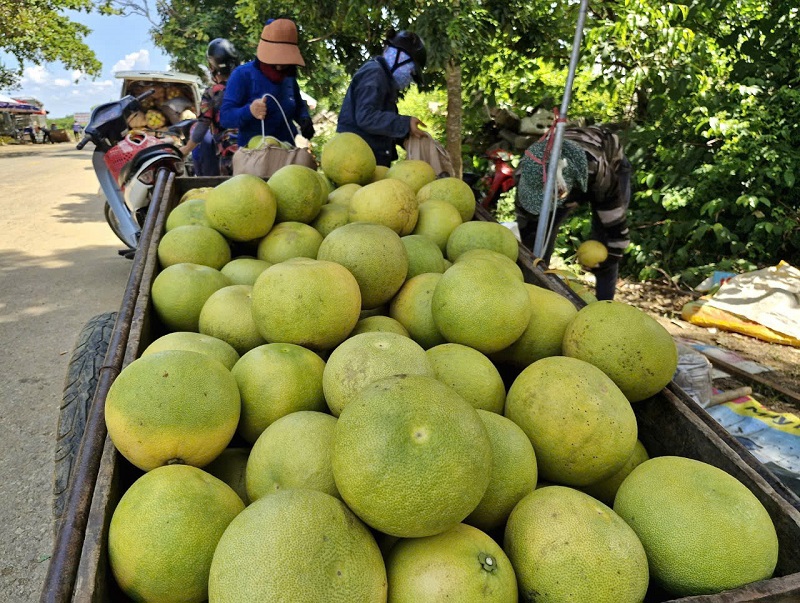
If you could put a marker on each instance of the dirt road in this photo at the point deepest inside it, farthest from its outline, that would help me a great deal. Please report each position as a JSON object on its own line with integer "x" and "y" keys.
{"x": 58, "y": 268}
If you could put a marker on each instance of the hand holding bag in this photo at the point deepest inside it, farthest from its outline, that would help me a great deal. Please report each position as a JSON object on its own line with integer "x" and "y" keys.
{"x": 429, "y": 150}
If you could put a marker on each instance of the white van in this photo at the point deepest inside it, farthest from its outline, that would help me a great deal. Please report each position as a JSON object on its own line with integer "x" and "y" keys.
{"x": 176, "y": 97}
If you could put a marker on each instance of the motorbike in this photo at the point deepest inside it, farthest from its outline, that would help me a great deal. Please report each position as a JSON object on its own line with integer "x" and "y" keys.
{"x": 498, "y": 180}
{"x": 127, "y": 162}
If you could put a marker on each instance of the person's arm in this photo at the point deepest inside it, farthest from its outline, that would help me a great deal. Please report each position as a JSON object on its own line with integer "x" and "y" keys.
{"x": 235, "y": 109}
{"x": 611, "y": 210}
{"x": 372, "y": 118}
{"x": 196, "y": 137}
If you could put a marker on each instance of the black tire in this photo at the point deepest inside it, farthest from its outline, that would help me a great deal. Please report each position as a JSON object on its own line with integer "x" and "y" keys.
{"x": 80, "y": 384}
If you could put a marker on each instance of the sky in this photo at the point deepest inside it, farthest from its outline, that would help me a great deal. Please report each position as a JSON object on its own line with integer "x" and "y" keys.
{"x": 120, "y": 43}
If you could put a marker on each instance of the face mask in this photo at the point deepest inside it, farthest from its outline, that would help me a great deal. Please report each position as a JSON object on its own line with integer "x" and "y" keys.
{"x": 401, "y": 66}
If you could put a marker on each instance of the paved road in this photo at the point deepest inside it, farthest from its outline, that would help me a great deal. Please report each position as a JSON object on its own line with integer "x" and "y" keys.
{"x": 58, "y": 268}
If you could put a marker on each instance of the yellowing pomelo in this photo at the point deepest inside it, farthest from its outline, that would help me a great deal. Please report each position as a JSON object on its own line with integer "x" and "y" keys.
{"x": 347, "y": 158}
{"x": 341, "y": 195}
{"x": 192, "y": 211}
{"x": 452, "y": 190}
{"x": 591, "y": 254}
{"x": 289, "y": 240}
{"x": 485, "y": 235}
{"x": 414, "y": 172}
{"x": 195, "y": 342}
{"x": 470, "y": 373}
{"x": 227, "y": 315}
{"x": 242, "y": 207}
{"x": 193, "y": 244}
{"x": 244, "y": 271}
{"x": 390, "y": 202}
{"x": 195, "y": 193}
{"x": 180, "y": 291}
{"x": 503, "y": 262}
{"x": 298, "y": 192}
{"x": 437, "y": 219}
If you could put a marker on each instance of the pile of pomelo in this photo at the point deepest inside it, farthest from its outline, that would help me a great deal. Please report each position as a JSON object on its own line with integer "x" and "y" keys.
{"x": 369, "y": 404}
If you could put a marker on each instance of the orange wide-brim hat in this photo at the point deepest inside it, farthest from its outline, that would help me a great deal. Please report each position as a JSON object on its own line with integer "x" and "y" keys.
{"x": 278, "y": 44}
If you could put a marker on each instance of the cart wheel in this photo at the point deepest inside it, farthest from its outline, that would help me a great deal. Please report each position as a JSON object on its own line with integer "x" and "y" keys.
{"x": 79, "y": 386}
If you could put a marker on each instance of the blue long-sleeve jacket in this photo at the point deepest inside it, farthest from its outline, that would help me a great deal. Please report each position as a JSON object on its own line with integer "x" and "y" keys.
{"x": 245, "y": 85}
{"x": 370, "y": 110}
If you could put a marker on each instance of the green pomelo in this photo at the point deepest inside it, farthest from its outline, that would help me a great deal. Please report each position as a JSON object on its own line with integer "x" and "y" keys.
{"x": 347, "y": 158}
{"x": 452, "y": 190}
{"x": 368, "y": 357}
{"x": 172, "y": 407}
{"x": 275, "y": 380}
{"x": 423, "y": 444}
{"x": 470, "y": 373}
{"x": 374, "y": 255}
{"x": 379, "y": 173}
{"x": 195, "y": 342}
{"x": 259, "y": 141}
{"x": 195, "y": 193}
{"x": 293, "y": 452}
{"x": 423, "y": 255}
{"x": 227, "y": 315}
{"x": 298, "y": 192}
{"x": 244, "y": 271}
{"x": 230, "y": 467}
{"x": 330, "y": 217}
{"x": 193, "y": 212}
{"x": 289, "y": 240}
{"x": 414, "y": 172}
{"x": 379, "y": 324}
{"x": 180, "y": 291}
{"x": 503, "y": 262}
{"x": 317, "y": 550}
{"x": 703, "y": 530}
{"x": 390, "y": 202}
{"x": 411, "y": 307}
{"x": 242, "y": 207}
{"x": 307, "y": 302}
{"x": 164, "y": 531}
{"x": 341, "y": 195}
{"x": 193, "y": 244}
{"x": 437, "y": 220}
{"x": 327, "y": 186}
{"x": 477, "y": 234}
{"x": 462, "y": 564}
{"x": 606, "y": 490}
{"x": 581, "y": 426}
{"x": 567, "y": 546}
{"x": 626, "y": 343}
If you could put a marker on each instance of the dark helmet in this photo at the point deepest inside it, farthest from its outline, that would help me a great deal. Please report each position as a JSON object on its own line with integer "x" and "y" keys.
{"x": 222, "y": 56}
{"x": 412, "y": 45}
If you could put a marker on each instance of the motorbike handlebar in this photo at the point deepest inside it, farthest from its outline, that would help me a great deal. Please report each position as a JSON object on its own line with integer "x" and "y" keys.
{"x": 83, "y": 142}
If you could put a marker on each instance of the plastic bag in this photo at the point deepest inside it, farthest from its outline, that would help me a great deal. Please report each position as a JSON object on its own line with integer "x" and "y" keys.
{"x": 430, "y": 151}
{"x": 693, "y": 375}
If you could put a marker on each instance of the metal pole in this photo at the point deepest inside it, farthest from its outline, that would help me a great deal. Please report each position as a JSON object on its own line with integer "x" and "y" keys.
{"x": 548, "y": 210}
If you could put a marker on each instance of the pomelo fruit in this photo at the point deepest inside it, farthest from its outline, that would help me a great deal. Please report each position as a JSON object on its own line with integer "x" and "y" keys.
{"x": 347, "y": 158}
{"x": 606, "y": 490}
{"x": 503, "y": 262}
{"x": 164, "y": 531}
{"x": 341, "y": 195}
{"x": 567, "y": 546}
{"x": 191, "y": 212}
{"x": 379, "y": 323}
{"x": 308, "y": 302}
{"x": 424, "y": 445}
{"x": 227, "y": 315}
{"x": 476, "y": 305}
{"x": 193, "y": 244}
{"x": 368, "y": 357}
{"x": 242, "y": 207}
{"x": 289, "y": 240}
{"x": 330, "y": 217}
{"x": 195, "y": 342}
{"x": 703, "y": 530}
{"x": 374, "y": 254}
{"x": 293, "y": 452}
{"x": 485, "y": 235}
{"x": 258, "y": 141}
{"x": 172, "y": 407}
{"x": 462, "y": 564}
{"x": 414, "y": 172}
{"x": 275, "y": 380}
{"x": 452, "y": 190}
{"x": 244, "y": 271}
{"x": 411, "y": 307}
{"x": 437, "y": 220}
{"x": 514, "y": 472}
{"x": 626, "y": 343}
{"x": 298, "y": 192}
{"x": 379, "y": 173}
{"x": 591, "y": 254}
{"x": 470, "y": 373}
{"x": 580, "y": 424}
{"x": 423, "y": 255}
{"x": 230, "y": 467}
{"x": 327, "y": 186}
{"x": 180, "y": 291}
{"x": 195, "y": 193}
{"x": 390, "y": 202}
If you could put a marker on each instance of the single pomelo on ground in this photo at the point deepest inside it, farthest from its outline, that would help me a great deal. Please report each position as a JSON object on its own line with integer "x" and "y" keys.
{"x": 244, "y": 271}
{"x": 230, "y": 467}
{"x": 470, "y": 373}
{"x": 242, "y": 207}
{"x": 567, "y": 546}
{"x": 180, "y": 291}
{"x": 452, "y": 190}
{"x": 195, "y": 193}
{"x": 550, "y": 315}
{"x": 347, "y": 158}
{"x": 289, "y": 240}
{"x": 330, "y": 217}
{"x": 411, "y": 307}
{"x": 703, "y": 530}
{"x": 476, "y": 305}
{"x": 423, "y": 444}
{"x": 462, "y": 564}
{"x": 196, "y": 342}
{"x": 293, "y": 452}
{"x": 503, "y": 262}
{"x": 263, "y": 141}
{"x": 172, "y": 407}
{"x": 227, "y": 315}
{"x": 580, "y": 424}
{"x": 423, "y": 255}
{"x": 317, "y": 551}
{"x": 514, "y": 472}
{"x": 298, "y": 192}
{"x": 591, "y": 254}
{"x": 341, "y": 195}
{"x": 477, "y": 234}
{"x": 184, "y": 214}
{"x": 368, "y": 357}
{"x": 390, "y": 202}
{"x": 626, "y": 343}
{"x": 311, "y": 303}
{"x": 379, "y": 323}
{"x": 606, "y": 490}
{"x": 414, "y": 172}
{"x": 193, "y": 244}
{"x": 437, "y": 220}
{"x": 164, "y": 531}
{"x": 275, "y": 380}
{"x": 374, "y": 255}
{"x": 379, "y": 173}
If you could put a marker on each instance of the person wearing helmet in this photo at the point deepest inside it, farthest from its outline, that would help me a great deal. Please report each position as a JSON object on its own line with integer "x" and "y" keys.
{"x": 370, "y": 104}
{"x": 211, "y": 145}
{"x": 265, "y": 93}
